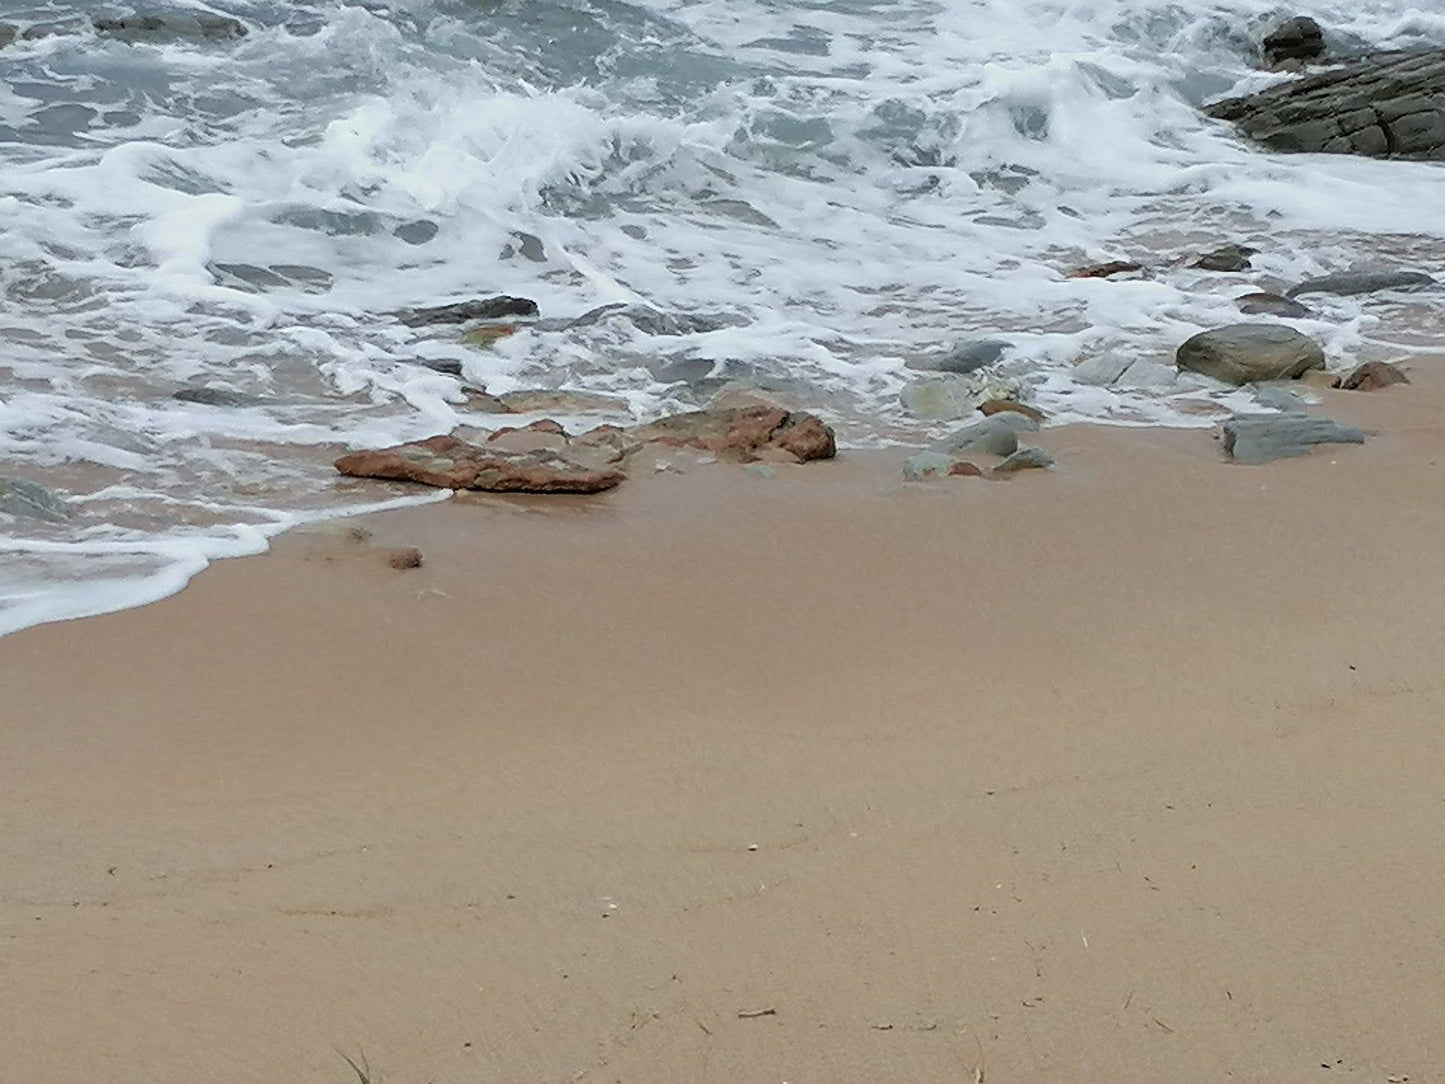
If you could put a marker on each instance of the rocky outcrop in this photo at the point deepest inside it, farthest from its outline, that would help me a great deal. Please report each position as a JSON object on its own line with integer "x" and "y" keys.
{"x": 1259, "y": 440}
{"x": 1349, "y": 283}
{"x": 165, "y": 27}
{"x": 1389, "y": 105}
{"x": 1243, "y": 353}
{"x": 1372, "y": 376}
{"x": 488, "y": 308}
{"x": 747, "y": 433}
{"x": 1294, "y": 41}
{"x": 452, "y": 463}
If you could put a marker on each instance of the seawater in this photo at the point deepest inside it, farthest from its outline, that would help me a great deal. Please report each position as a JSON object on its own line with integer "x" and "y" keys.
{"x": 852, "y": 185}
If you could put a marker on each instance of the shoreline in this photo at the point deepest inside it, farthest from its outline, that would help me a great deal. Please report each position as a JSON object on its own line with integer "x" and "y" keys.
{"x": 1123, "y": 767}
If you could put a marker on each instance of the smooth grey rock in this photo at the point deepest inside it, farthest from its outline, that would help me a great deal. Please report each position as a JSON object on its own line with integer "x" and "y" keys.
{"x": 1026, "y": 458}
{"x": 1280, "y": 399}
{"x": 1242, "y": 353}
{"x": 418, "y": 232}
{"x": 1300, "y": 38}
{"x": 1101, "y": 370}
{"x": 1147, "y": 376}
{"x": 1259, "y": 440}
{"x": 994, "y": 435}
{"x": 651, "y": 321}
{"x": 1364, "y": 282}
{"x": 970, "y": 355}
{"x": 460, "y": 312}
{"x": 217, "y": 397}
{"x": 949, "y": 396}
{"x": 166, "y": 27}
{"x": 1262, "y": 303}
{"x": 449, "y": 366}
{"x": 1386, "y": 105}
{"x": 927, "y": 465}
{"x": 20, "y": 497}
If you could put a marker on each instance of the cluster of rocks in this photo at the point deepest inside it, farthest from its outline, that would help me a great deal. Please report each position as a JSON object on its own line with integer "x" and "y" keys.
{"x": 1389, "y": 104}
{"x": 136, "y": 28}
{"x": 995, "y": 436}
{"x": 544, "y": 458}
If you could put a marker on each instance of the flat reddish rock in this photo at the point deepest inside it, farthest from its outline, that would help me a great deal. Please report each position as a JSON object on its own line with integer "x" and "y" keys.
{"x": 450, "y": 463}
{"x": 745, "y": 432}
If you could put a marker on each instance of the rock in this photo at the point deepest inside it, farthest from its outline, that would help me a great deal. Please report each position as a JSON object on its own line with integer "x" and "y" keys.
{"x": 1259, "y": 440}
{"x": 1101, "y": 370}
{"x": 165, "y": 27}
{"x": 403, "y": 559}
{"x": 490, "y": 308}
{"x": 217, "y": 397}
{"x": 969, "y": 356}
{"x": 451, "y": 463}
{"x": 927, "y": 465}
{"x": 31, "y": 500}
{"x": 1387, "y": 105}
{"x": 1320, "y": 378}
{"x": 652, "y": 322}
{"x": 1145, "y": 375}
{"x": 1105, "y": 270}
{"x": 1012, "y": 406}
{"x": 7, "y": 34}
{"x": 1300, "y": 38}
{"x": 1374, "y": 375}
{"x": 964, "y": 469}
{"x": 951, "y": 396}
{"x": 1026, "y": 458}
{"x": 1226, "y": 258}
{"x": 1262, "y": 303}
{"x": 743, "y": 432}
{"x": 479, "y": 400}
{"x": 418, "y": 232}
{"x": 1241, "y": 353}
{"x": 561, "y": 401}
{"x": 737, "y": 395}
{"x": 449, "y": 366}
{"x": 1364, "y": 282}
{"x": 1280, "y": 398}
{"x": 541, "y": 436}
{"x": 993, "y": 436}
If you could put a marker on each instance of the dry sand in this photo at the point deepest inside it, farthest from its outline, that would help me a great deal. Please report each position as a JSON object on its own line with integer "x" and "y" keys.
{"x": 1134, "y": 771}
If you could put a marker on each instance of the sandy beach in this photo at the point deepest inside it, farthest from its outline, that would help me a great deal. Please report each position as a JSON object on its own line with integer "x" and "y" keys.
{"x": 1126, "y": 771}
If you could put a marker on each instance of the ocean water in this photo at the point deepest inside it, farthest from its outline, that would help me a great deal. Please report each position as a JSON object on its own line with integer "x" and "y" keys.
{"x": 847, "y": 186}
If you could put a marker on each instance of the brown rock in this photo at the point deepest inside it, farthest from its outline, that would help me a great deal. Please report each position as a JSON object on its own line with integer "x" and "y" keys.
{"x": 743, "y": 432}
{"x": 458, "y": 464}
{"x": 1374, "y": 375}
{"x": 403, "y": 559}
{"x": 1105, "y": 270}
{"x": 965, "y": 469}
{"x": 1011, "y": 406}
{"x": 1321, "y": 378}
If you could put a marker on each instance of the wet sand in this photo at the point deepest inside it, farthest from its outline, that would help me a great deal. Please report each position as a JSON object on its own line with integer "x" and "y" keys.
{"x": 1130, "y": 771}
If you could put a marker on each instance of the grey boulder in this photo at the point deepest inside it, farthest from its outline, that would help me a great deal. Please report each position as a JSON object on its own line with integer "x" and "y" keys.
{"x": 1242, "y": 353}
{"x": 1364, "y": 282}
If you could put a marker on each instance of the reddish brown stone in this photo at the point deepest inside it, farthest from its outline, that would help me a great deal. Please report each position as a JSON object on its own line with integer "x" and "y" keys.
{"x": 1104, "y": 270}
{"x": 1000, "y": 406}
{"x": 966, "y": 469}
{"x": 1374, "y": 375}
{"x": 457, "y": 464}
{"x": 545, "y": 425}
{"x": 743, "y": 432}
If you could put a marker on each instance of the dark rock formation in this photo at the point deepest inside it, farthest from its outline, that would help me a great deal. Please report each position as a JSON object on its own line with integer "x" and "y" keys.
{"x": 1267, "y": 304}
{"x": 1298, "y": 39}
{"x": 489, "y": 308}
{"x": 1391, "y": 104}
{"x": 1364, "y": 282}
{"x": 1105, "y": 270}
{"x": 1226, "y": 258}
{"x": 164, "y": 27}
{"x": 1242, "y": 353}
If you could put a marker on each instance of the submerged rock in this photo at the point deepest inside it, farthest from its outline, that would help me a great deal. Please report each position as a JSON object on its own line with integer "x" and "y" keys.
{"x": 748, "y": 433}
{"x": 217, "y": 397}
{"x": 561, "y": 401}
{"x": 1389, "y": 105}
{"x": 31, "y": 500}
{"x": 489, "y": 308}
{"x": 1364, "y": 282}
{"x": 1374, "y": 375}
{"x": 1262, "y": 303}
{"x": 1105, "y": 270}
{"x": 970, "y": 355}
{"x": 1259, "y": 440}
{"x": 927, "y": 465}
{"x": 1226, "y": 258}
{"x": 1242, "y": 353}
{"x": 950, "y": 396}
{"x": 8, "y": 34}
{"x": 165, "y": 27}
{"x": 451, "y": 463}
{"x": 1297, "y": 39}
{"x": 654, "y": 322}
